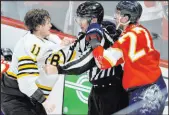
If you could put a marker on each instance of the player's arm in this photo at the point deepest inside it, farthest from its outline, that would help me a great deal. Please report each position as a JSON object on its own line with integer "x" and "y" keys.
{"x": 107, "y": 58}
{"x": 79, "y": 65}
{"x": 28, "y": 73}
{"x": 76, "y": 66}
{"x": 103, "y": 58}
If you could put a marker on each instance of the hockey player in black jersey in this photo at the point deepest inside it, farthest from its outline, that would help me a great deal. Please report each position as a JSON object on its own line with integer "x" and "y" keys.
{"x": 107, "y": 95}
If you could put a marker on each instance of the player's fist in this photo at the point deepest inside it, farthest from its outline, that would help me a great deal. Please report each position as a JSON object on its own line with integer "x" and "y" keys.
{"x": 50, "y": 69}
{"x": 116, "y": 35}
{"x": 67, "y": 41}
{"x": 49, "y": 107}
{"x": 94, "y": 31}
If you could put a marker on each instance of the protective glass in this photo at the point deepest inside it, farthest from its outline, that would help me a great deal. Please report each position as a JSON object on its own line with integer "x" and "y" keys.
{"x": 80, "y": 20}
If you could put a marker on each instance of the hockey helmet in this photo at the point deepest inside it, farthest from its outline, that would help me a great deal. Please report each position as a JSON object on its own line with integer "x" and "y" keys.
{"x": 131, "y": 8}
{"x": 91, "y": 9}
{"x": 7, "y": 53}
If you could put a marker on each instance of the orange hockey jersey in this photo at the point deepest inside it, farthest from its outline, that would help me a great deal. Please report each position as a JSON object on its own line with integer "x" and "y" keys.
{"x": 4, "y": 66}
{"x": 135, "y": 48}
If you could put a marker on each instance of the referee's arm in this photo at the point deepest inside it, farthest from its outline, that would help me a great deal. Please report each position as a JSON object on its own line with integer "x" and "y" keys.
{"x": 79, "y": 65}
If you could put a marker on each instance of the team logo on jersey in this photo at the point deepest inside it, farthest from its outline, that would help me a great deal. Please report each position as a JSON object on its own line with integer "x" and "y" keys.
{"x": 56, "y": 58}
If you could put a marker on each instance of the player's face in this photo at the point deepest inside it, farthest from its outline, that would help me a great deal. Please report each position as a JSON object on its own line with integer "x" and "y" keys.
{"x": 117, "y": 17}
{"x": 83, "y": 23}
{"x": 120, "y": 20}
{"x": 45, "y": 29}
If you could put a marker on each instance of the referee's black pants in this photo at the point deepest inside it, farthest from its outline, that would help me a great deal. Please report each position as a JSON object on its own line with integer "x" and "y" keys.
{"x": 107, "y": 100}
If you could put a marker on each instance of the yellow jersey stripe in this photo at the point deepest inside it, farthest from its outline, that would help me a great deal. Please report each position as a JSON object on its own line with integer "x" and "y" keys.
{"x": 44, "y": 87}
{"x": 27, "y": 67}
{"x": 27, "y": 74}
{"x": 46, "y": 96}
{"x": 26, "y": 64}
{"x": 73, "y": 56}
{"x": 26, "y": 58}
{"x": 11, "y": 74}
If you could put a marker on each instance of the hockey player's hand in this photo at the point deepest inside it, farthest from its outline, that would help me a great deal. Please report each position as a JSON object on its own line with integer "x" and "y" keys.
{"x": 94, "y": 31}
{"x": 50, "y": 69}
{"x": 67, "y": 41}
{"x": 117, "y": 35}
{"x": 49, "y": 107}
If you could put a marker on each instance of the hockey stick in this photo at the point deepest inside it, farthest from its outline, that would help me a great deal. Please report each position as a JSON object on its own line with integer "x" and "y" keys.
{"x": 155, "y": 36}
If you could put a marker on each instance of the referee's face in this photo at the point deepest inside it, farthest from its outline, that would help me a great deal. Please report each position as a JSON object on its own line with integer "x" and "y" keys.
{"x": 82, "y": 22}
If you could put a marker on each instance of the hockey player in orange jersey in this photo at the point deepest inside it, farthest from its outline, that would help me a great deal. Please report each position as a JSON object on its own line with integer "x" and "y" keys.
{"x": 142, "y": 76}
{"x": 6, "y": 57}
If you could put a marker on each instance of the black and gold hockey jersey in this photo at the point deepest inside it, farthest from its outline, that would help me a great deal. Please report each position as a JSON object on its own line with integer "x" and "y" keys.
{"x": 26, "y": 73}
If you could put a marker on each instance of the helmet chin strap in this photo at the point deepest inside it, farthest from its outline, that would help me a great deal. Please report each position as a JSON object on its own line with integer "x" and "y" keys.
{"x": 120, "y": 23}
{"x": 89, "y": 21}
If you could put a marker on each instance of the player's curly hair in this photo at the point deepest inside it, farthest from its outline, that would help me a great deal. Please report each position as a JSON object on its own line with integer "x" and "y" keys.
{"x": 35, "y": 17}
